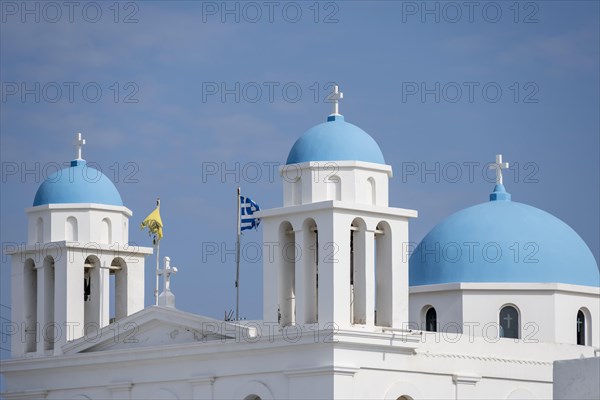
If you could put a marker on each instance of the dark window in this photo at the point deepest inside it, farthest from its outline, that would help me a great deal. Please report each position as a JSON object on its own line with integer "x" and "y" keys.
{"x": 509, "y": 322}
{"x": 580, "y": 328}
{"x": 431, "y": 320}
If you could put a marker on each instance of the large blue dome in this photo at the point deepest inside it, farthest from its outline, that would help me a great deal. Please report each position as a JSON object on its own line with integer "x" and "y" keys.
{"x": 77, "y": 184}
{"x": 503, "y": 241}
{"x": 335, "y": 140}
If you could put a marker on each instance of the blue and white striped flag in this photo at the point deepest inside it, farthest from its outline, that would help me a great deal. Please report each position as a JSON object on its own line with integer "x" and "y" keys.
{"x": 247, "y": 209}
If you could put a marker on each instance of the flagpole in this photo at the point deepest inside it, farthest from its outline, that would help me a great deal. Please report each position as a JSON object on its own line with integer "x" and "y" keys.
{"x": 237, "y": 257}
{"x": 157, "y": 239}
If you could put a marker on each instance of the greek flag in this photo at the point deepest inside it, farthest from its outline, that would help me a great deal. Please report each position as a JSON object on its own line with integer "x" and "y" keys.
{"x": 247, "y": 209}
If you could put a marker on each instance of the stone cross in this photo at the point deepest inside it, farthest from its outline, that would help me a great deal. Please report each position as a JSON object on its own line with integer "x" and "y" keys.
{"x": 166, "y": 272}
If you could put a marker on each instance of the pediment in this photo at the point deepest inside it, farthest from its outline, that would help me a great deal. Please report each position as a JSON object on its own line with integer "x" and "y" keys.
{"x": 157, "y": 326}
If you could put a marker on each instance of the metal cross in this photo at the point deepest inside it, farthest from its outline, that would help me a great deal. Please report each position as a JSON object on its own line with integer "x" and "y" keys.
{"x": 79, "y": 142}
{"x": 498, "y": 166}
{"x": 508, "y": 318}
{"x": 335, "y": 98}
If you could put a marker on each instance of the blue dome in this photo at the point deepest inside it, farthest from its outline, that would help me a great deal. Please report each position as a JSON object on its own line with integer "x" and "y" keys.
{"x": 335, "y": 140}
{"x": 77, "y": 184}
{"x": 503, "y": 241}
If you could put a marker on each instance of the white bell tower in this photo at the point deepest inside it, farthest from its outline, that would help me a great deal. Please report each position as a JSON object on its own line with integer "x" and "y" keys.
{"x": 336, "y": 253}
{"x": 77, "y": 272}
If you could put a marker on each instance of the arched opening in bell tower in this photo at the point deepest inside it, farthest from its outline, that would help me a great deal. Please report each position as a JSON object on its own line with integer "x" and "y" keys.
{"x": 92, "y": 293}
{"x": 358, "y": 271}
{"x": 287, "y": 275}
{"x": 310, "y": 266}
{"x": 30, "y": 291}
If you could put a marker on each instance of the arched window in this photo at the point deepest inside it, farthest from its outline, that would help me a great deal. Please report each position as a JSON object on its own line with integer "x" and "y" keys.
{"x": 431, "y": 320}
{"x": 252, "y": 397}
{"x": 105, "y": 231}
{"x": 509, "y": 322}
{"x": 334, "y": 188}
{"x": 297, "y": 191}
{"x": 39, "y": 228}
{"x": 580, "y": 328}
{"x": 71, "y": 229}
{"x": 372, "y": 192}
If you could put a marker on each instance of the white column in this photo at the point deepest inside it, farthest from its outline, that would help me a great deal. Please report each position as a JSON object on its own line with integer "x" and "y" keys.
{"x": 135, "y": 284}
{"x": 69, "y": 307}
{"x": 17, "y": 297}
{"x": 334, "y": 271}
{"x": 104, "y": 292}
{"x": 42, "y": 318}
{"x": 369, "y": 276}
{"x": 399, "y": 280}
{"x": 272, "y": 249}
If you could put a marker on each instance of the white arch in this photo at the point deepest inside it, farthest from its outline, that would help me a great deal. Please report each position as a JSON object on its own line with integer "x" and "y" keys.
{"x": 402, "y": 388}
{"x": 255, "y": 388}
{"x": 519, "y": 317}
{"x": 587, "y": 315}
{"x": 522, "y": 394}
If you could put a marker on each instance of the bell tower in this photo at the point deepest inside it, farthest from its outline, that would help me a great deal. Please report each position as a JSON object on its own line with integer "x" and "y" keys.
{"x": 77, "y": 273}
{"x": 337, "y": 250}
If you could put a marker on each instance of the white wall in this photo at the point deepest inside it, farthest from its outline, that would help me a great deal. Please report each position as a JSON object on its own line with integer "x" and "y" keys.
{"x": 547, "y": 311}
{"x": 577, "y": 379}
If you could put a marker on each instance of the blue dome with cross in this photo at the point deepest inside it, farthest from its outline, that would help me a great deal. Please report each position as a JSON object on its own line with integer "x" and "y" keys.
{"x": 335, "y": 140}
{"x": 78, "y": 183}
{"x": 503, "y": 241}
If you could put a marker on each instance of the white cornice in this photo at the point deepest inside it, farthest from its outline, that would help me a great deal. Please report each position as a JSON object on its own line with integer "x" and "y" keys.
{"x": 80, "y": 206}
{"x": 338, "y": 205}
{"x": 505, "y": 286}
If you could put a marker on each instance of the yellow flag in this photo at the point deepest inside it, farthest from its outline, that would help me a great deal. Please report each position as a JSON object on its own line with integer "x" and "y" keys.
{"x": 154, "y": 223}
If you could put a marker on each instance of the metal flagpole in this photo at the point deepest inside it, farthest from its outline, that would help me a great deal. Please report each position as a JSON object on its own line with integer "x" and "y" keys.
{"x": 237, "y": 257}
{"x": 157, "y": 239}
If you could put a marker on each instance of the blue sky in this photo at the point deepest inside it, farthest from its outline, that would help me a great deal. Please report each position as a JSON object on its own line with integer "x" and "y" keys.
{"x": 518, "y": 80}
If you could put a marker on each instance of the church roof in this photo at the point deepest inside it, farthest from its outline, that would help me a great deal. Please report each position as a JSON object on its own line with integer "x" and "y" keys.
{"x": 335, "y": 140}
{"x": 78, "y": 183}
{"x": 503, "y": 241}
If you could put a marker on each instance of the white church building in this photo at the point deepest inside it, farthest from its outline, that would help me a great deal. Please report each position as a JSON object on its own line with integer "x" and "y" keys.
{"x": 346, "y": 313}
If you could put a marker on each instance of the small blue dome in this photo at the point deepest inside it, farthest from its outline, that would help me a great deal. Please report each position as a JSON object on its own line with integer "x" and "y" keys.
{"x": 503, "y": 241}
{"x": 77, "y": 184}
{"x": 335, "y": 140}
